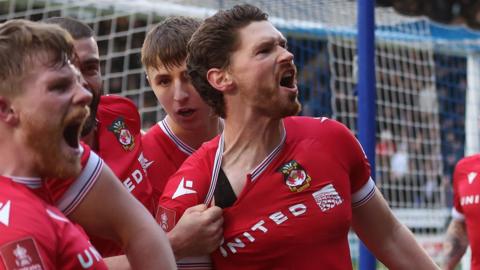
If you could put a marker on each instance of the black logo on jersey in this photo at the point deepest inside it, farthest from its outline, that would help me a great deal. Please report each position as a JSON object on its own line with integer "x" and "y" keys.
{"x": 296, "y": 177}
{"x": 125, "y": 138}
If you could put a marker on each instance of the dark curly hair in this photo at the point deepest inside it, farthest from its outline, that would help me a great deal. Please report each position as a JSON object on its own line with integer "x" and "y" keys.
{"x": 212, "y": 45}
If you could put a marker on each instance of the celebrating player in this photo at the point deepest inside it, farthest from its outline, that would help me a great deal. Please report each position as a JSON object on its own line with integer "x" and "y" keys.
{"x": 291, "y": 187}
{"x": 42, "y": 109}
{"x": 464, "y": 227}
{"x": 189, "y": 121}
{"x": 101, "y": 135}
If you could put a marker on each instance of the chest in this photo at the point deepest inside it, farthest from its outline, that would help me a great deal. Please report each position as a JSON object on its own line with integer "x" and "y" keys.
{"x": 469, "y": 192}
{"x": 299, "y": 198}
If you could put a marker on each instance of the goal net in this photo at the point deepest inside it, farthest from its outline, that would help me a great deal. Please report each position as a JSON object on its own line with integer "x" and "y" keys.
{"x": 421, "y": 84}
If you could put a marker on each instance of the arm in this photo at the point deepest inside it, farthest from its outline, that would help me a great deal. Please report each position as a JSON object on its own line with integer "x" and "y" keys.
{"x": 391, "y": 242}
{"x": 198, "y": 232}
{"x": 109, "y": 211}
{"x": 456, "y": 243}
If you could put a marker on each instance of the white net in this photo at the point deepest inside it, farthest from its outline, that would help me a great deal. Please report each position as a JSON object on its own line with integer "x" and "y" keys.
{"x": 421, "y": 83}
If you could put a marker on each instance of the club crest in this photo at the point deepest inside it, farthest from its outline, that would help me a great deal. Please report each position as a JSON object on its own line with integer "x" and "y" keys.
{"x": 296, "y": 178}
{"x": 125, "y": 138}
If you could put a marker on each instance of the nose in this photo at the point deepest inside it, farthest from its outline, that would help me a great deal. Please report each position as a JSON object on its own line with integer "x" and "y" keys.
{"x": 285, "y": 55}
{"x": 180, "y": 92}
{"x": 83, "y": 96}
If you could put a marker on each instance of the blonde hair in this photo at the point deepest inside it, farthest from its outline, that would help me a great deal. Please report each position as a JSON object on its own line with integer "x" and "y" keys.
{"x": 22, "y": 42}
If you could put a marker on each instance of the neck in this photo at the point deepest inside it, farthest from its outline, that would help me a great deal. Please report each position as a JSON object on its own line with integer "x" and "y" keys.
{"x": 16, "y": 160}
{"x": 250, "y": 139}
{"x": 196, "y": 136}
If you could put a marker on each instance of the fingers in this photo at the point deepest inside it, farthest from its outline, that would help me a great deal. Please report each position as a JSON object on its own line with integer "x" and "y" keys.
{"x": 196, "y": 208}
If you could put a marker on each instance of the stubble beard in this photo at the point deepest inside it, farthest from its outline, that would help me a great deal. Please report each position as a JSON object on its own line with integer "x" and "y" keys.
{"x": 50, "y": 161}
{"x": 275, "y": 107}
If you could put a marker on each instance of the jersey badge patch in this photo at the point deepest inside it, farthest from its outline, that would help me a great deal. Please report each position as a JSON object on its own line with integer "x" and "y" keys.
{"x": 296, "y": 178}
{"x": 327, "y": 198}
{"x": 124, "y": 137}
{"x": 166, "y": 218}
{"x": 21, "y": 254}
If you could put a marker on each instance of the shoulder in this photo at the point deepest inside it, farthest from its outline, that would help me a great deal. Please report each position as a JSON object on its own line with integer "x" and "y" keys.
{"x": 20, "y": 208}
{"x": 113, "y": 107}
{"x": 305, "y": 127}
{"x": 468, "y": 161}
{"x": 208, "y": 149}
{"x": 466, "y": 165}
{"x": 116, "y": 103}
{"x": 153, "y": 135}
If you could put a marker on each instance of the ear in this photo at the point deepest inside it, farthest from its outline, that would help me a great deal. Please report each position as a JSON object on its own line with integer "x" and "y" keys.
{"x": 7, "y": 113}
{"x": 220, "y": 79}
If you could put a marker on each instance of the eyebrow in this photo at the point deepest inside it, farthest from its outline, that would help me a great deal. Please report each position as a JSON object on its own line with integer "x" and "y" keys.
{"x": 269, "y": 41}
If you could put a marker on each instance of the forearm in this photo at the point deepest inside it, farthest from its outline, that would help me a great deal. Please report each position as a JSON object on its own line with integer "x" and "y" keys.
{"x": 150, "y": 250}
{"x": 117, "y": 263}
{"x": 391, "y": 242}
{"x": 456, "y": 243}
{"x": 403, "y": 251}
{"x": 122, "y": 218}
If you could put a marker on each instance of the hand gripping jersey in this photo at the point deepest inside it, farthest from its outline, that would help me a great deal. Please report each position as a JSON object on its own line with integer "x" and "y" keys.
{"x": 35, "y": 235}
{"x": 466, "y": 201}
{"x": 166, "y": 152}
{"x": 296, "y": 207}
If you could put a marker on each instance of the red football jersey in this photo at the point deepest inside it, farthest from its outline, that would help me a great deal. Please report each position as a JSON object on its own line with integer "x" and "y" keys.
{"x": 166, "y": 152}
{"x": 66, "y": 194}
{"x": 466, "y": 200}
{"x": 295, "y": 205}
{"x": 35, "y": 235}
{"x": 120, "y": 146}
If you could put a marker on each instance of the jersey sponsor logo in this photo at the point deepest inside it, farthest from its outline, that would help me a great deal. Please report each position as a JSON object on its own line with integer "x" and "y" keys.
{"x": 295, "y": 176}
{"x": 165, "y": 217}
{"x": 21, "y": 255}
{"x": 124, "y": 137}
{"x": 89, "y": 257}
{"x": 262, "y": 227}
{"x": 137, "y": 177}
{"x": 470, "y": 200}
{"x": 184, "y": 188}
{"x": 327, "y": 198}
{"x": 471, "y": 177}
{"x": 5, "y": 213}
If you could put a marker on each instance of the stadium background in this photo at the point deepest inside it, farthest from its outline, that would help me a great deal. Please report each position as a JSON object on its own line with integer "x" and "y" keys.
{"x": 423, "y": 72}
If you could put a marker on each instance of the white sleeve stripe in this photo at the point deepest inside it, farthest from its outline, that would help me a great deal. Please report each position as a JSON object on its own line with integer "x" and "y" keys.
{"x": 364, "y": 194}
{"x": 82, "y": 185}
{"x": 457, "y": 215}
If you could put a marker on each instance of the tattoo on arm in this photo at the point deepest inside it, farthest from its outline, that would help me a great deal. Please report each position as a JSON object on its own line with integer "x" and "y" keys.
{"x": 456, "y": 243}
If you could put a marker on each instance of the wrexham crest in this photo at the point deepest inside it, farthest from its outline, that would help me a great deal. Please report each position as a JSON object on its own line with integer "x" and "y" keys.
{"x": 296, "y": 178}
{"x": 125, "y": 138}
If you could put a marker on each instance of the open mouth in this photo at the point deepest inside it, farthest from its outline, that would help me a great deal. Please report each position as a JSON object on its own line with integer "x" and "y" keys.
{"x": 71, "y": 134}
{"x": 288, "y": 79}
{"x": 186, "y": 112}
